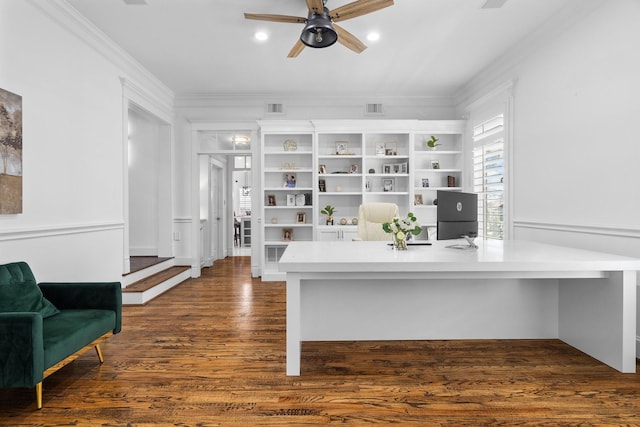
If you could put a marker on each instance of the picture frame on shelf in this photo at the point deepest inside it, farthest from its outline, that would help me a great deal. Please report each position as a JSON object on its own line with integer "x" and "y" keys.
{"x": 354, "y": 168}
{"x": 301, "y": 218}
{"x": 322, "y": 169}
{"x": 391, "y": 148}
{"x": 322, "y": 185}
{"x": 271, "y": 199}
{"x": 287, "y": 234}
{"x": 404, "y": 167}
{"x": 290, "y": 180}
{"x": 342, "y": 148}
{"x": 291, "y": 199}
{"x": 301, "y": 199}
{"x": 387, "y": 168}
{"x": 425, "y": 182}
{"x": 395, "y": 168}
{"x": 417, "y": 200}
{"x": 435, "y": 164}
{"x": 380, "y": 151}
{"x": 388, "y": 185}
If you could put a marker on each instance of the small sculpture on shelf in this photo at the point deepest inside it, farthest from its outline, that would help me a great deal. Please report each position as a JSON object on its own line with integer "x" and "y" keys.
{"x": 328, "y": 211}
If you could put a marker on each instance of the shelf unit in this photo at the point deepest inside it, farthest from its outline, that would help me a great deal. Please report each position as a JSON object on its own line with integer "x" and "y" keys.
{"x": 345, "y": 163}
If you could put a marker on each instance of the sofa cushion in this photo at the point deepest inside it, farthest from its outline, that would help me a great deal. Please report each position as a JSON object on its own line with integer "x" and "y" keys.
{"x": 24, "y": 297}
{"x": 70, "y": 330}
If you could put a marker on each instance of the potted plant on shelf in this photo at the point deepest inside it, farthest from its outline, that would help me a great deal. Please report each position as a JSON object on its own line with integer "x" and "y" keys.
{"x": 328, "y": 211}
{"x": 432, "y": 142}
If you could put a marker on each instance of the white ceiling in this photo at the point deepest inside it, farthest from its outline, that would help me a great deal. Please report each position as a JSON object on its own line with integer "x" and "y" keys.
{"x": 427, "y": 47}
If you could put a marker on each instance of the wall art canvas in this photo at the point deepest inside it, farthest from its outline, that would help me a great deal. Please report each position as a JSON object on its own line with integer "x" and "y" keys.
{"x": 10, "y": 153}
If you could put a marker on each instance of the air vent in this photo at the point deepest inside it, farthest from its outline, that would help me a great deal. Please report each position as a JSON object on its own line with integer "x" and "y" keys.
{"x": 136, "y": 2}
{"x": 275, "y": 109}
{"x": 373, "y": 109}
{"x": 493, "y": 4}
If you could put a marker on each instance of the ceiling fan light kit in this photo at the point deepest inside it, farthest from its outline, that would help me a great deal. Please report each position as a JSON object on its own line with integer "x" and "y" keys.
{"x": 320, "y": 28}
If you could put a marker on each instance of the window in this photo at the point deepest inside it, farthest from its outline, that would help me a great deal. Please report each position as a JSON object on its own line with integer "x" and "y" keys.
{"x": 489, "y": 175}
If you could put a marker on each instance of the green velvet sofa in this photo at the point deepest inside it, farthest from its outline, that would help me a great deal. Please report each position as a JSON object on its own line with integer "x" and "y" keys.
{"x": 44, "y": 326}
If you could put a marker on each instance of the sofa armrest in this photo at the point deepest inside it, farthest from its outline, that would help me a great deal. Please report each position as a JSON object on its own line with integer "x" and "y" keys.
{"x": 21, "y": 349}
{"x": 99, "y": 295}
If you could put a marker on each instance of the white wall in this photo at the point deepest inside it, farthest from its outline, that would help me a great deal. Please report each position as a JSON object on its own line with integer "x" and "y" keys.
{"x": 143, "y": 184}
{"x": 71, "y": 227}
{"x": 575, "y": 134}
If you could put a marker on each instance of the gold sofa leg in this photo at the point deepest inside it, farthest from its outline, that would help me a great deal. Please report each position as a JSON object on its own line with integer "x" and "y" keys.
{"x": 99, "y": 353}
{"x": 39, "y": 395}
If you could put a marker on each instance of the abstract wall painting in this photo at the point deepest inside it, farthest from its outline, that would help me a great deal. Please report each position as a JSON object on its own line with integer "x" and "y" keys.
{"x": 10, "y": 153}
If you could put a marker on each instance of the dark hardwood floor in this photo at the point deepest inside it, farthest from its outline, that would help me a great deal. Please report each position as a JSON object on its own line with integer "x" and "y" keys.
{"x": 211, "y": 352}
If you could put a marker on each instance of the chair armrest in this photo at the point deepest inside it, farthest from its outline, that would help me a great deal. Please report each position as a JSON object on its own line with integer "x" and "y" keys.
{"x": 99, "y": 295}
{"x": 21, "y": 349}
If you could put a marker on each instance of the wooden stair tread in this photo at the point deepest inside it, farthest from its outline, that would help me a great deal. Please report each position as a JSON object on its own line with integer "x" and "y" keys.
{"x": 153, "y": 280}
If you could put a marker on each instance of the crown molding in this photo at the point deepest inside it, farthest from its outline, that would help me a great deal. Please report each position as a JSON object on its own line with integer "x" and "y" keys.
{"x": 61, "y": 12}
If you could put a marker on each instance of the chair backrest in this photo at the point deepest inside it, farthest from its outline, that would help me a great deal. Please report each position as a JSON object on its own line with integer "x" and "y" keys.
{"x": 371, "y": 216}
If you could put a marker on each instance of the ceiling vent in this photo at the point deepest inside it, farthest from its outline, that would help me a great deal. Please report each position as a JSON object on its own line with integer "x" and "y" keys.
{"x": 136, "y": 2}
{"x": 493, "y": 4}
{"x": 373, "y": 109}
{"x": 275, "y": 109}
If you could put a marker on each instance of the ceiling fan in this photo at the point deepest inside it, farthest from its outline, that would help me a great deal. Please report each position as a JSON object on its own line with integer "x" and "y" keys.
{"x": 320, "y": 28}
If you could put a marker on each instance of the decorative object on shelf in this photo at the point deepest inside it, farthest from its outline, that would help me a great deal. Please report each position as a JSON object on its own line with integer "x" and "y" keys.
{"x": 401, "y": 229}
{"x": 287, "y": 234}
{"x": 435, "y": 164}
{"x": 322, "y": 169}
{"x": 322, "y": 185}
{"x": 354, "y": 168}
{"x": 290, "y": 145}
{"x": 395, "y": 168}
{"x": 274, "y": 220}
{"x": 343, "y": 221}
{"x": 372, "y": 170}
{"x": 300, "y": 200}
{"x": 354, "y": 221}
{"x": 271, "y": 199}
{"x": 289, "y": 166}
{"x": 291, "y": 199}
{"x": 391, "y": 149}
{"x": 451, "y": 181}
{"x": 417, "y": 199}
{"x": 388, "y": 184}
{"x": 432, "y": 142}
{"x": 367, "y": 185}
{"x": 342, "y": 147}
{"x": 290, "y": 180}
{"x": 301, "y": 218}
{"x": 380, "y": 151}
{"x": 328, "y": 211}
{"x": 387, "y": 168}
{"x": 435, "y": 202}
{"x": 338, "y": 189}
{"x": 425, "y": 182}
{"x": 307, "y": 199}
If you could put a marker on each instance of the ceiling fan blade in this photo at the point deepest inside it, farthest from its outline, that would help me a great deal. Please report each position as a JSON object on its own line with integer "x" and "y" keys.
{"x": 358, "y": 8}
{"x": 349, "y": 40}
{"x": 276, "y": 18}
{"x": 315, "y": 6}
{"x": 296, "y": 49}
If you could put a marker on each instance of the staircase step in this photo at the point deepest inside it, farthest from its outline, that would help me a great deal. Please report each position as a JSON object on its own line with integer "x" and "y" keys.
{"x": 144, "y": 290}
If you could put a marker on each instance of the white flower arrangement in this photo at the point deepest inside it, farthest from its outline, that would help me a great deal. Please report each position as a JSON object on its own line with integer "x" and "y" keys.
{"x": 402, "y": 228}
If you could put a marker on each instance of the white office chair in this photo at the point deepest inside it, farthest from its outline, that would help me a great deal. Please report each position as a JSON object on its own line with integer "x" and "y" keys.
{"x": 371, "y": 216}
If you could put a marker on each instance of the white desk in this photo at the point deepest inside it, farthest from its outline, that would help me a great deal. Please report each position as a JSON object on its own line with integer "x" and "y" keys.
{"x": 338, "y": 290}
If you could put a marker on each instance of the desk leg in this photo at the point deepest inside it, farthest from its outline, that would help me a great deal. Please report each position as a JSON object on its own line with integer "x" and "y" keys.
{"x": 598, "y": 317}
{"x": 293, "y": 324}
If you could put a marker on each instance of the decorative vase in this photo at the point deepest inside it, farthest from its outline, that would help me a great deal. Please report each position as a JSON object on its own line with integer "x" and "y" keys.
{"x": 400, "y": 243}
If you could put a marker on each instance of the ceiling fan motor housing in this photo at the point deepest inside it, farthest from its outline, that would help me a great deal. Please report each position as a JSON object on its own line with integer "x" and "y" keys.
{"x": 319, "y": 31}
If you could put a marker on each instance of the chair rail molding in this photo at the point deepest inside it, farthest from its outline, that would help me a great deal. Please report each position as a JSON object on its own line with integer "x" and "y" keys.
{"x": 58, "y": 230}
{"x": 628, "y": 232}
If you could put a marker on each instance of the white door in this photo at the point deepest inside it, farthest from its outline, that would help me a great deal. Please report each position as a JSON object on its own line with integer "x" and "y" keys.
{"x": 218, "y": 220}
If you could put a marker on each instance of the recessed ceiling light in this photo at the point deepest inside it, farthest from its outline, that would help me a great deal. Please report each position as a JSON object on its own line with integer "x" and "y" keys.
{"x": 261, "y": 36}
{"x": 373, "y": 36}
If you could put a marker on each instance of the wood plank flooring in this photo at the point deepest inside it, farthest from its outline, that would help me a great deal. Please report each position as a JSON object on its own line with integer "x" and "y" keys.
{"x": 211, "y": 352}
